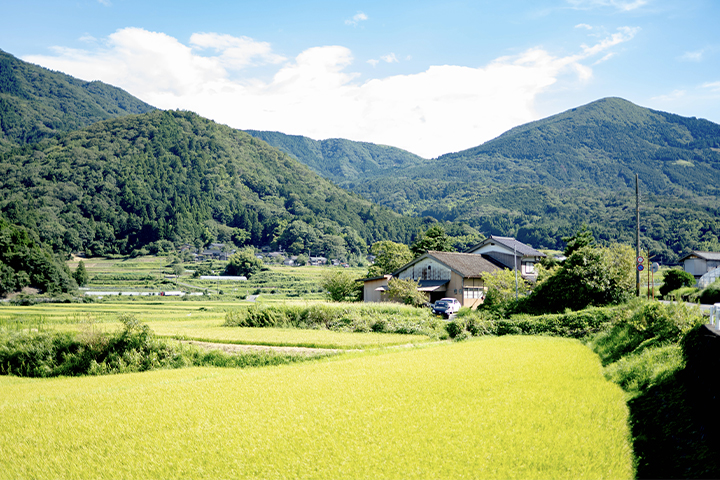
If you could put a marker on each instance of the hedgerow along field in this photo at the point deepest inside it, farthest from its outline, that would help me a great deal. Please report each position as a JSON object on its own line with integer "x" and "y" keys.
{"x": 503, "y": 407}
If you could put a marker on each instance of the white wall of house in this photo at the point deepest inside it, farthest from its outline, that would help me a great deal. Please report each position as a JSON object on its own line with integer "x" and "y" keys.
{"x": 695, "y": 266}
{"x": 426, "y": 269}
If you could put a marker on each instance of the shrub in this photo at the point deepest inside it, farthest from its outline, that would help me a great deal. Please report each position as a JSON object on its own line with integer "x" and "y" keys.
{"x": 710, "y": 294}
{"x": 340, "y": 286}
{"x": 340, "y": 317}
{"x": 674, "y": 279}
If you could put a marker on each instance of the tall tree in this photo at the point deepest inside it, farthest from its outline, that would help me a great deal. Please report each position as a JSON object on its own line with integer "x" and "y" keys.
{"x": 389, "y": 256}
{"x": 435, "y": 239}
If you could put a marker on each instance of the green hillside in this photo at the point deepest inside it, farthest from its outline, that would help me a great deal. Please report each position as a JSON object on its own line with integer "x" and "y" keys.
{"x": 36, "y": 103}
{"x": 600, "y": 145}
{"x": 121, "y": 184}
{"x": 341, "y": 160}
{"x": 542, "y": 180}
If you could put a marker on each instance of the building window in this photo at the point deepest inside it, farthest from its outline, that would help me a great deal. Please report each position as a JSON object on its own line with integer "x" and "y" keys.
{"x": 474, "y": 292}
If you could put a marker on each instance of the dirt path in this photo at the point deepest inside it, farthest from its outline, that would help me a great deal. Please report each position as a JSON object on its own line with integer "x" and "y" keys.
{"x": 233, "y": 348}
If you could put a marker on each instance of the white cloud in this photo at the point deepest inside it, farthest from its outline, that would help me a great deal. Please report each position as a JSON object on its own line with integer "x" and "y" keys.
{"x": 373, "y": 61}
{"x": 357, "y": 18}
{"x": 622, "y": 5}
{"x": 695, "y": 56}
{"x": 713, "y": 86}
{"x": 236, "y": 52}
{"x": 389, "y": 58}
{"x": 584, "y": 25}
{"x": 674, "y": 95}
{"x": 442, "y": 109}
{"x": 107, "y": 3}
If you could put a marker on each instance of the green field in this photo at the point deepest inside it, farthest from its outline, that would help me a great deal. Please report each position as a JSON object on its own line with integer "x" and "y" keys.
{"x": 154, "y": 274}
{"x": 190, "y": 321}
{"x": 506, "y": 407}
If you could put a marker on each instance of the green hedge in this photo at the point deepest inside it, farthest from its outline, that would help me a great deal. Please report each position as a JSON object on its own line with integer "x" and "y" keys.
{"x": 387, "y": 318}
{"x": 570, "y": 324}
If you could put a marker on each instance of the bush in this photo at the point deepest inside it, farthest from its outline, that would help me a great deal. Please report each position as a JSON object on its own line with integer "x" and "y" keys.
{"x": 340, "y": 286}
{"x": 674, "y": 279}
{"x": 340, "y": 317}
{"x": 710, "y": 294}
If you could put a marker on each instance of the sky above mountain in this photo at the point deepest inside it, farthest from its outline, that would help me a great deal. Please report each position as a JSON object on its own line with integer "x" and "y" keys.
{"x": 428, "y": 76}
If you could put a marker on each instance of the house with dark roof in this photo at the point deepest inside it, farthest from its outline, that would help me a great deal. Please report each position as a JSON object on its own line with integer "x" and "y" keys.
{"x": 700, "y": 263}
{"x": 440, "y": 275}
{"x": 511, "y": 254}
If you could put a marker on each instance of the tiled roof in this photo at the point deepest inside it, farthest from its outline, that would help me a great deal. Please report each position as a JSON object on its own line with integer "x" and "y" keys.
{"x": 703, "y": 255}
{"x": 512, "y": 244}
{"x": 466, "y": 264}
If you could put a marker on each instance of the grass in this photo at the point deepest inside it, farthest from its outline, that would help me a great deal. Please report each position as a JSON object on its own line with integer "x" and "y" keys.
{"x": 193, "y": 321}
{"x": 149, "y": 273}
{"x": 213, "y": 331}
{"x": 510, "y": 407}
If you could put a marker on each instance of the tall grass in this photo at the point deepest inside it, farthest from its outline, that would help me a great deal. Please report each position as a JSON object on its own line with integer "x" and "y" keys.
{"x": 135, "y": 348}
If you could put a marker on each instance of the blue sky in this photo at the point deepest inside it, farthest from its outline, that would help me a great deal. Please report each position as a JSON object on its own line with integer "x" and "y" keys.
{"x": 430, "y": 77}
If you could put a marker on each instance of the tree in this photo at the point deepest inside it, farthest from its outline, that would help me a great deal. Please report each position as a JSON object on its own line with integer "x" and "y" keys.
{"x": 435, "y": 239}
{"x": 590, "y": 276}
{"x": 341, "y": 286}
{"x": 243, "y": 263}
{"x": 389, "y": 256}
{"x": 500, "y": 286}
{"x": 81, "y": 276}
{"x": 582, "y": 238}
{"x": 407, "y": 292}
{"x": 675, "y": 279}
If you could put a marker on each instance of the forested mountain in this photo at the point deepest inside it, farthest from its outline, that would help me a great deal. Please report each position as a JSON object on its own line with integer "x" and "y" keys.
{"x": 121, "y": 184}
{"x": 36, "y": 103}
{"x": 341, "y": 160}
{"x": 542, "y": 180}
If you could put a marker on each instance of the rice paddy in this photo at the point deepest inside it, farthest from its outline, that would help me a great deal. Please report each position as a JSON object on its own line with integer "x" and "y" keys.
{"x": 506, "y": 407}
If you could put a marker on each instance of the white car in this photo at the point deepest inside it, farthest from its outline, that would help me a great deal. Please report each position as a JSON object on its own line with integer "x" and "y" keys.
{"x": 446, "y": 306}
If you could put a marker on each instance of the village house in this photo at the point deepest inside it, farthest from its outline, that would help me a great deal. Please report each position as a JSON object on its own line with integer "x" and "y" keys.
{"x": 700, "y": 263}
{"x": 510, "y": 253}
{"x": 440, "y": 275}
{"x": 459, "y": 275}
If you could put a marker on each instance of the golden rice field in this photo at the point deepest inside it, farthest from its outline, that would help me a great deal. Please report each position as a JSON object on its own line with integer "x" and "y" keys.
{"x": 506, "y": 407}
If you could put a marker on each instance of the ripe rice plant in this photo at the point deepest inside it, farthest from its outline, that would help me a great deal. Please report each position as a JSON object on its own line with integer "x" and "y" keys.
{"x": 506, "y": 407}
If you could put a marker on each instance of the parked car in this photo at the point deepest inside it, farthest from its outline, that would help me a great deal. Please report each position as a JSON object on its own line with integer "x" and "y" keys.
{"x": 446, "y": 307}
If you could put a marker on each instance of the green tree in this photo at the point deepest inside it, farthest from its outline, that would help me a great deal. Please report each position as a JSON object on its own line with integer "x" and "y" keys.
{"x": 435, "y": 239}
{"x": 80, "y": 275}
{"x": 389, "y": 256}
{"x": 675, "y": 279}
{"x": 582, "y": 238}
{"x": 406, "y": 291}
{"x": 341, "y": 286}
{"x": 500, "y": 286}
{"x": 244, "y": 263}
{"x": 590, "y": 276}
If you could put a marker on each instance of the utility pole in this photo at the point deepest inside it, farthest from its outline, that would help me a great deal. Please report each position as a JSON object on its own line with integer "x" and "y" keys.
{"x": 515, "y": 264}
{"x": 637, "y": 234}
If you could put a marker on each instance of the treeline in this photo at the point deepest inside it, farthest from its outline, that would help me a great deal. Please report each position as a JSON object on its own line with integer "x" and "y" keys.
{"x": 119, "y": 185}
{"x": 36, "y": 103}
{"x": 25, "y": 262}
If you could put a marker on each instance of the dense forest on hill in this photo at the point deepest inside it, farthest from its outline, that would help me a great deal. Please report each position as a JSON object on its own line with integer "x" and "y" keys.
{"x": 341, "y": 160}
{"x": 121, "y": 184}
{"x": 36, "y": 103}
{"x": 542, "y": 180}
